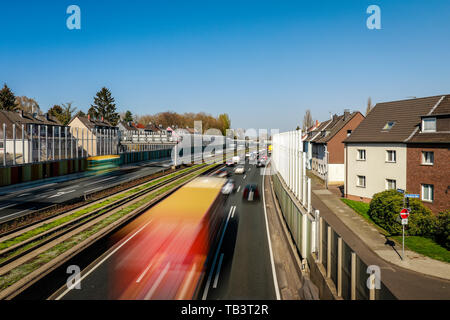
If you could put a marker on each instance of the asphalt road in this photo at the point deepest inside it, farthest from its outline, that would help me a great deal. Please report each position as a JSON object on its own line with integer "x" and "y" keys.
{"x": 16, "y": 201}
{"x": 242, "y": 268}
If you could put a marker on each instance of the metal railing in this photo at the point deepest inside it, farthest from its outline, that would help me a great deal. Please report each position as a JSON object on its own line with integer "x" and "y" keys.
{"x": 315, "y": 238}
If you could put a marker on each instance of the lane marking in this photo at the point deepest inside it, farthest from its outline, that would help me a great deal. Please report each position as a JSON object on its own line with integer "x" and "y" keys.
{"x": 143, "y": 273}
{"x": 274, "y": 274}
{"x": 16, "y": 213}
{"x": 188, "y": 281}
{"x": 218, "y": 271}
{"x": 23, "y": 195}
{"x": 208, "y": 283}
{"x": 93, "y": 189}
{"x": 7, "y": 206}
{"x": 103, "y": 260}
{"x": 245, "y": 176}
{"x": 232, "y": 214}
{"x": 238, "y": 189}
{"x": 61, "y": 193}
{"x": 77, "y": 185}
{"x": 157, "y": 282}
{"x": 99, "y": 181}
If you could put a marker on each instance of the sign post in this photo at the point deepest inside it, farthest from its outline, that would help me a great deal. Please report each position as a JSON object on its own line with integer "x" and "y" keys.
{"x": 404, "y": 214}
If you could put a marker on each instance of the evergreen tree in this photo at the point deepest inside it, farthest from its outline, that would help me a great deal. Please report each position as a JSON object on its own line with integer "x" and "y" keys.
{"x": 7, "y": 99}
{"x": 128, "y": 116}
{"x": 104, "y": 106}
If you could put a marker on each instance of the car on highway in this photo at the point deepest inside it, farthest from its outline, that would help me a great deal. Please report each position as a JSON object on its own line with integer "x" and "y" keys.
{"x": 236, "y": 159}
{"x": 251, "y": 192}
{"x": 229, "y": 187}
{"x": 229, "y": 163}
{"x": 261, "y": 163}
{"x": 222, "y": 173}
{"x": 239, "y": 170}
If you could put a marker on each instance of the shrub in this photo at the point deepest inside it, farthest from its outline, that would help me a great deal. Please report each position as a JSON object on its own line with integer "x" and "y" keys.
{"x": 442, "y": 233}
{"x": 385, "y": 209}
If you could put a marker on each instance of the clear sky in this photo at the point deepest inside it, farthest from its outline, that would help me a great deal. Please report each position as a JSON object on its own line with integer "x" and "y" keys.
{"x": 262, "y": 62}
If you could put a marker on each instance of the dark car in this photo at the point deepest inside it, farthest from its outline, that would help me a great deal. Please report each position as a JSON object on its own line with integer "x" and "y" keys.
{"x": 222, "y": 173}
{"x": 260, "y": 163}
{"x": 251, "y": 192}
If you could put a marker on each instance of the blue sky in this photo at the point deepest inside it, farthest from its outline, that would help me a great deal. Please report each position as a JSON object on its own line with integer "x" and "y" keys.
{"x": 262, "y": 62}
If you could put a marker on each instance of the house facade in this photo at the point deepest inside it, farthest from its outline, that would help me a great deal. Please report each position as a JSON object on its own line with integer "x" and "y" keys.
{"x": 397, "y": 147}
{"x": 26, "y": 137}
{"x": 95, "y": 136}
{"x": 327, "y": 147}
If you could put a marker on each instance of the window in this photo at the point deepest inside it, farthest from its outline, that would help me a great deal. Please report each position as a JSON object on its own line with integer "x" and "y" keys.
{"x": 361, "y": 154}
{"x": 427, "y": 192}
{"x": 389, "y": 125}
{"x": 391, "y": 184}
{"x": 361, "y": 181}
{"x": 428, "y": 157}
{"x": 391, "y": 156}
{"x": 349, "y": 132}
{"x": 429, "y": 125}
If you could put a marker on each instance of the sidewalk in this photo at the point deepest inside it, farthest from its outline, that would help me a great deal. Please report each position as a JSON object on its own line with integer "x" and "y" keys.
{"x": 418, "y": 277}
{"x": 377, "y": 241}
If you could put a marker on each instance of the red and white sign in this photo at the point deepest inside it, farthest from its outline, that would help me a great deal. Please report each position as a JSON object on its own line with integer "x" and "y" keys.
{"x": 404, "y": 213}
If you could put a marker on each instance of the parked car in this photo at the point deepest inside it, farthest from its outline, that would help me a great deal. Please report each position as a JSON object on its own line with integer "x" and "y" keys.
{"x": 251, "y": 192}
{"x": 239, "y": 170}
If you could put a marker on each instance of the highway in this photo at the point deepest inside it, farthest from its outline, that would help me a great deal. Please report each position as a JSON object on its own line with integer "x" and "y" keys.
{"x": 16, "y": 201}
{"x": 242, "y": 268}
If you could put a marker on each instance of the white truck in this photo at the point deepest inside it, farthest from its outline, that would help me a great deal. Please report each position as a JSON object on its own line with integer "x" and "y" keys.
{"x": 236, "y": 159}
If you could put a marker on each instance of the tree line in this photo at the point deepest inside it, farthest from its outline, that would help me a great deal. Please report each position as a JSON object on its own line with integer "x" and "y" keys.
{"x": 104, "y": 107}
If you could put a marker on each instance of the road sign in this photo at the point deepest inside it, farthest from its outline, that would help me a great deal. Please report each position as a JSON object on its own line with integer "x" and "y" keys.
{"x": 404, "y": 221}
{"x": 411, "y": 195}
{"x": 404, "y": 213}
{"x": 401, "y": 190}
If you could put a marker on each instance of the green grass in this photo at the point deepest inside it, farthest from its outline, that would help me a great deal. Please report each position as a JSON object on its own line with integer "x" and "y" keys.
{"x": 422, "y": 245}
{"x": 33, "y": 264}
{"x": 48, "y": 226}
{"x": 425, "y": 246}
{"x": 360, "y": 207}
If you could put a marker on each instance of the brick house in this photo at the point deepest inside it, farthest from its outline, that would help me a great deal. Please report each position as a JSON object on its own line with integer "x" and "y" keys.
{"x": 402, "y": 145}
{"x": 328, "y": 148}
{"x": 428, "y": 158}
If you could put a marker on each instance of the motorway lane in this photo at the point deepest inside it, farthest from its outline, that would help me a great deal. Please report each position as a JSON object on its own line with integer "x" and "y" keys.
{"x": 20, "y": 201}
{"x": 242, "y": 270}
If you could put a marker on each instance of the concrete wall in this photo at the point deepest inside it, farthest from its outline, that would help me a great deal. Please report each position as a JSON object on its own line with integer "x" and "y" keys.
{"x": 375, "y": 168}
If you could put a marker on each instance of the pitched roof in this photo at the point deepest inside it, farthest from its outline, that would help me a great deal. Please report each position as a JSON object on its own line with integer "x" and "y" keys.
{"x": 314, "y": 134}
{"x": 404, "y": 115}
{"x": 18, "y": 118}
{"x": 91, "y": 123}
{"x": 337, "y": 123}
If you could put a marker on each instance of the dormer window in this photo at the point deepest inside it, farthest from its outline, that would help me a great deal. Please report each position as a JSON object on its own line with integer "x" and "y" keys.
{"x": 429, "y": 125}
{"x": 388, "y": 126}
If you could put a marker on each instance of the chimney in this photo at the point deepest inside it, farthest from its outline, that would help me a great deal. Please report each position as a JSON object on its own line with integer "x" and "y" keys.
{"x": 47, "y": 116}
{"x": 335, "y": 117}
{"x": 346, "y": 114}
{"x": 317, "y": 123}
{"x": 102, "y": 119}
{"x": 21, "y": 113}
{"x": 89, "y": 117}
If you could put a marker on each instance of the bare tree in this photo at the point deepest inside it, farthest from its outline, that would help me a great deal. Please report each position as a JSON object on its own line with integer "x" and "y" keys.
{"x": 307, "y": 120}
{"x": 369, "y": 106}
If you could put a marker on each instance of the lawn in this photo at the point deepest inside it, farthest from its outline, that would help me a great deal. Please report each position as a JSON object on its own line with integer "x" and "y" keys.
{"x": 425, "y": 246}
{"x": 421, "y": 245}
